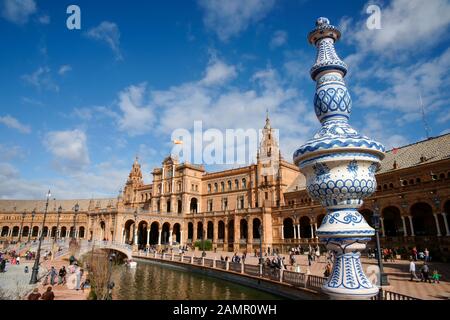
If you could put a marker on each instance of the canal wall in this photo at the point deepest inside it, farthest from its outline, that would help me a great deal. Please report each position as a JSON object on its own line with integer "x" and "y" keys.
{"x": 300, "y": 290}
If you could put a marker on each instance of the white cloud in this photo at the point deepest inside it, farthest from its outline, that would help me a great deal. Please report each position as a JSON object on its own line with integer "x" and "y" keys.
{"x": 218, "y": 72}
{"x": 44, "y": 19}
{"x": 109, "y": 33}
{"x": 41, "y": 79}
{"x": 18, "y": 11}
{"x": 13, "y": 123}
{"x": 64, "y": 69}
{"x": 279, "y": 38}
{"x": 229, "y": 18}
{"x": 405, "y": 25}
{"x": 137, "y": 117}
{"x": 69, "y": 149}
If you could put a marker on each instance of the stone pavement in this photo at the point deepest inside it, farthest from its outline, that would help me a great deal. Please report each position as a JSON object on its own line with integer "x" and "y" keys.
{"x": 398, "y": 273}
{"x": 14, "y": 283}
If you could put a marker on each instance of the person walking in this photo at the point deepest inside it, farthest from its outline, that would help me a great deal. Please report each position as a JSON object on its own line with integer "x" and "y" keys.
{"x": 425, "y": 273}
{"x": 48, "y": 295}
{"x": 52, "y": 275}
{"x": 427, "y": 255}
{"x": 436, "y": 276}
{"x": 309, "y": 258}
{"x": 78, "y": 275}
{"x": 62, "y": 275}
{"x": 412, "y": 270}
{"x": 414, "y": 253}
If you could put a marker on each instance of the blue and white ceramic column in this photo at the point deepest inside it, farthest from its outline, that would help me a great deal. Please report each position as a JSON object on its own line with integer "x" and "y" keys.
{"x": 339, "y": 165}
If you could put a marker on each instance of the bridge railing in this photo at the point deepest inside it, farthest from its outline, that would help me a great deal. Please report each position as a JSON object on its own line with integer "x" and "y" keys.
{"x": 389, "y": 295}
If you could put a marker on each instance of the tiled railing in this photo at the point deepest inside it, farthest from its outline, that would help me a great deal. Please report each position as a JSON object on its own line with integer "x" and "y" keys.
{"x": 389, "y": 295}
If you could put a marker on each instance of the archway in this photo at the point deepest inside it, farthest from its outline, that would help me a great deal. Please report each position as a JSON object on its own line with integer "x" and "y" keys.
{"x": 103, "y": 231}
{"x": 210, "y": 231}
{"x": 180, "y": 206}
{"x": 176, "y": 235}
{"x": 190, "y": 231}
{"x": 256, "y": 224}
{"x": 35, "y": 231}
{"x": 142, "y": 234}
{"x": 165, "y": 233}
{"x": 243, "y": 229}
{"x": 128, "y": 232}
{"x": 154, "y": 233}
{"x": 53, "y": 232}
{"x": 423, "y": 220}
{"x": 63, "y": 232}
{"x": 221, "y": 230}
{"x": 305, "y": 227}
{"x": 231, "y": 231}
{"x": 45, "y": 232}
{"x": 392, "y": 221}
{"x": 25, "y": 231}
{"x": 368, "y": 216}
{"x": 199, "y": 230}
{"x": 193, "y": 206}
{"x": 81, "y": 232}
{"x": 15, "y": 231}
{"x": 5, "y": 231}
{"x": 288, "y": 228}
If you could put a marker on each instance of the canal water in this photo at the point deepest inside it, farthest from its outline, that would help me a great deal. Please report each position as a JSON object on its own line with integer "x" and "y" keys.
{"x": 154, "y": 281}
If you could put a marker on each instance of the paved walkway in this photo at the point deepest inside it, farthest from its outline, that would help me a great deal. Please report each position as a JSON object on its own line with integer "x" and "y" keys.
{"x": 14, "y": 283}
{"x": 398, "y": 274}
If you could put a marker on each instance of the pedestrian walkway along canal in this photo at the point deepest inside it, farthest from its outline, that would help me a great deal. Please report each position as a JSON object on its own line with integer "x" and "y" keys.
{"x": 154, "y": 281}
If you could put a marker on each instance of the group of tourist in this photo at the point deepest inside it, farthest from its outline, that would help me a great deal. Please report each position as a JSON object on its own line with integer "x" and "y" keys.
{"x": 47, "y": 295}
{"x": 391, "y": 254}
{"x": 424, "y": 273}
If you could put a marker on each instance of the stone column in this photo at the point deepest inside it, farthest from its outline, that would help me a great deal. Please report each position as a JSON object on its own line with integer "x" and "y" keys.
{"x": 181, "y": 237}
{"x": 122, "y": 239}
{"x": 215, "y": 233}
{"x": 159, "y": 236}
{"x": 312, "y": 230}
{"x": 438, "y": 229}
{"x": 298, "y": 231}
{"x": 383, "y": 234}
{"x": 282, "y": 232}
{"x": 444, "y": 215}
{"x": 405, "y": 233}
{"x": 135, "y": 236}
{"x": 237, "y": 237}
{"x": 295, "y": 231}
{"x": 411, "y": 225}
{"x": 315, "y": 228}
{"x": 148, "y": 237}
{"x": 170, "y": 236}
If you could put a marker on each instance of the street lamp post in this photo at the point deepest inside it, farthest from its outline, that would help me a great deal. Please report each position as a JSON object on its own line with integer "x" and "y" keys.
{"x": 35, "y": 272}
{"x": 203, "y": 237}
{"x": 33, "y": 213}
{"x": 135, "y": 227}
{"x": 21, "y": 226}
{"x": 260, "y": 244}
{"x": 110, "y": 284}
{"x": 376, "y": 224}
{"x": 58, "y": 234}
{"x": 76, "y": 208}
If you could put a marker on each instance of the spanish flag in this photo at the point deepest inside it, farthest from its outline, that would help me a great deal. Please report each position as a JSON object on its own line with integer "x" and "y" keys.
{"x": 175, "y": 141}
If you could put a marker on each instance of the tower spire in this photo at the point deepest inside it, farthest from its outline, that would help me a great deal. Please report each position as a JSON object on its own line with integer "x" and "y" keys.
{"x": 267, "y": 126}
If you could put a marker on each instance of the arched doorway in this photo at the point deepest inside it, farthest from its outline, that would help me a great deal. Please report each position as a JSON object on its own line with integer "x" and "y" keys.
{"x": 5, "y": 231}
{"x": 80, "y": 232}
{"x": 165, "y": 233}
{"x": 154, "y": 233}
{"x": 231, "y": 231}
{"x": 53, "y": 232}
{"x": 221, "y": 230}
{"x": 288, "y": 228}
{"x": 15, "y": 231}
{"x": 128, "y": 231}
{"x": 243, "y": 229}
{"x": 193, "y": 206}
{"x": 25, "y": 231}
{"x": 142, "y": 234}
{"x": 63, "y": 232}
{"x": 35, "y": 231}
{"x": 45, "y": 232}
{"x": 103, "y": 231}
{"x": 368, "y": 216}
{"x": 392, "y": 221}
{"x": 210, "y": 231}
{"x": 176, "y": 235}
{"x": 199, "y": 230}
{"x": 256, "y": 224}
{"x": 305, "y": 227}
{"x": 190, "y": 231}
{"x": 423, "y": 220}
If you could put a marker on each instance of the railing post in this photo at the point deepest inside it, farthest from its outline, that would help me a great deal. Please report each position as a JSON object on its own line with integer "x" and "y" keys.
{"x": 163, "y": 255}
{"x": 260, "y": 270}
{"x": 242, "y": 267}
{"x": 203, "y": 261}
{"x": 192, "y": 259}
{"x": 171, "y": 257}
{"x": 154, "y": 256}
{"x": 214, "y": 262}
{"x": 227, "y": 265}
{"x": 281, "y": 275}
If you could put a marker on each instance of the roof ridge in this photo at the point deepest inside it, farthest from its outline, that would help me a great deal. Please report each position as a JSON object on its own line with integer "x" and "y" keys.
{"x": 418, "y": 142}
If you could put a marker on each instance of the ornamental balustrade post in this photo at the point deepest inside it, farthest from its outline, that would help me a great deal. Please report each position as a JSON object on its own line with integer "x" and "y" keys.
{"x": 214, "y": 262}
{"x": 339, "y": 165}
{"x": 192, "y": 259}
{"x": 203, "y": 261}
{"x": 282, "y": 232}
{"x": 227, "y": 265}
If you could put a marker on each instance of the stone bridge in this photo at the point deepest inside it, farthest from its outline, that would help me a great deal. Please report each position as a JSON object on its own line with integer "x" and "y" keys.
{"x": 116, "y": 246}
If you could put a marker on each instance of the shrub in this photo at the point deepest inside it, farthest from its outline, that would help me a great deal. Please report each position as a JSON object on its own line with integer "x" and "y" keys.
{"x": 207, "y": 245}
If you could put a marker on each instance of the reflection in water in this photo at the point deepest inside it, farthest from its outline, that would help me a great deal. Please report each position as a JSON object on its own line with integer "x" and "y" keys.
{"x": 152, "y": 281}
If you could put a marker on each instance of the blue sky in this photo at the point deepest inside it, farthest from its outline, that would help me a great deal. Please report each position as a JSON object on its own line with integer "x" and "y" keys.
{"x": 78, "y": 105}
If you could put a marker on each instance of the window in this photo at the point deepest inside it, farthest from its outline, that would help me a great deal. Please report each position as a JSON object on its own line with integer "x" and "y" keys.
{"x": 225, "y": 204}
{"x": 266, "y": 195}
{"x": 244, "y": 183}
{"x": 209, "y": 188}
{"x": 265, "y": 179}
{"x": 215, "y": 187}
{"x": 158, "y": 206}
{"x": 236, "y": 184}
{"x": 179, "y": 187}
{"x": 241, "y": 202}
{"x": 222, "y": 186}
{"x": 159, "y": 189}
{"x": 229, "y": 185}
{"x": 210, "y": 205}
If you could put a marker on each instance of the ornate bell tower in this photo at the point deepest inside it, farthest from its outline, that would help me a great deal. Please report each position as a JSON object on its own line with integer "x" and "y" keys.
{"x": 134, "y": 181}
